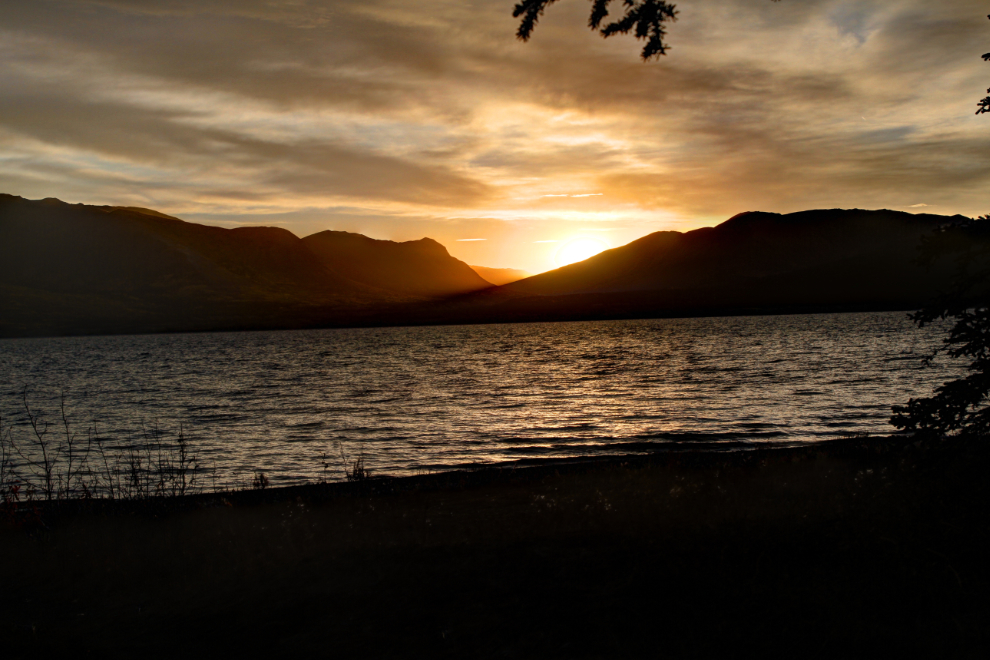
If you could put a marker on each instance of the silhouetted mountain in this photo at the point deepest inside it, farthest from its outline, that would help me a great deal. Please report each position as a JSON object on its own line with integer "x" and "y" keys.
{"x": 500, "y": 276}
{"x": 420, "y": 268}
{"x": 831, "y": 254}
{"x": 71, "y": 268}
{"x": 75, "y": 269}
{"x": 752, "y": 263}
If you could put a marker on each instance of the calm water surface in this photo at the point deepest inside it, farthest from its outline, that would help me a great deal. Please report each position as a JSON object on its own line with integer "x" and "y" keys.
{"x": 415, "y": 399}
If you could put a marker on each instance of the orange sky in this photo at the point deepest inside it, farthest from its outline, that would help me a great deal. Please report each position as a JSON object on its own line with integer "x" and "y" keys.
{"x": 408, "y": 118}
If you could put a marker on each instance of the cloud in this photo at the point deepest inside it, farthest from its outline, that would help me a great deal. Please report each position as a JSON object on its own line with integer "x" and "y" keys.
{"x": 427, "y": 117}
{"x": 468, "y": 240}
{"x": 128, "y": 138}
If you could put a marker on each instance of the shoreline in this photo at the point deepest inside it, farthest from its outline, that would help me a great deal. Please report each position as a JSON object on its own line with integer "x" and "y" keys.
{"x": 522, "y": 471}
{"x": 862, "y": 546}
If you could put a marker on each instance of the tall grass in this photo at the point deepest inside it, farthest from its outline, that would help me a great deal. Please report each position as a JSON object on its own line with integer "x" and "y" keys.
{"x": 44, "y": 461}
{"x": 56, "y": 462}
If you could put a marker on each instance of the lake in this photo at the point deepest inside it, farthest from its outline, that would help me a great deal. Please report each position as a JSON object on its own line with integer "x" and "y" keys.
{"x": 417, "y": 399}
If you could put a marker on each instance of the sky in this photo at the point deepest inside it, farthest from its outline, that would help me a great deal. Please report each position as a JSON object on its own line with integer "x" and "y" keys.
{"x": 401, "y": 119}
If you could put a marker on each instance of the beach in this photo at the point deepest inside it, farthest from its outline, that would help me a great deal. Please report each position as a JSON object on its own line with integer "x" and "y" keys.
{"x": 856, "y": 546}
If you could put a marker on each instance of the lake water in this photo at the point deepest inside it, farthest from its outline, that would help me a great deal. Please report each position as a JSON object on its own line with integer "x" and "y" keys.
{"x": 415, "y": 399}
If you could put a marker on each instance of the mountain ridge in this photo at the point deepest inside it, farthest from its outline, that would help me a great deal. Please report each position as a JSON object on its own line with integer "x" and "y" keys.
{"x": 752, "y": 245}
{"x": 73, "y": 268}
{"x": 421, "y": 268}
{"x": 77, "y": 269}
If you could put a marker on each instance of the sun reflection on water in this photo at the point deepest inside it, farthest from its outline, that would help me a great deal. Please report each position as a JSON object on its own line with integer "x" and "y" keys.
{"x": 427, "y": 398}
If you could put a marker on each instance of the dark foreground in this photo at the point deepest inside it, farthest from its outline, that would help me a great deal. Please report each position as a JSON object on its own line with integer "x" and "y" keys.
{"x": 853, "y": 548}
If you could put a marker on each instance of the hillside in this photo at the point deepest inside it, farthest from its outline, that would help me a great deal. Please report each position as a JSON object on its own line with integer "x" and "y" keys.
{"x": 815, "y": 254}
{"x": 77, "y": 269}
{"x": 420, "y": 268}
{"x": 753, "y": 263}
{"x": 822, "y": 259}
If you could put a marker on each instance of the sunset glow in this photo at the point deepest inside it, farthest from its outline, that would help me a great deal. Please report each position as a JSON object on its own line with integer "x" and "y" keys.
{"x": 579, "y": 249}
{"x": 400, "y": 120}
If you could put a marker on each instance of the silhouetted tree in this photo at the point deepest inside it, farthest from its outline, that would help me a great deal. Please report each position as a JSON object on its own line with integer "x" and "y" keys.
{"x": 645, "y": 18}
{"x": 959, "y": 407}
{"x": 984, "y": 105}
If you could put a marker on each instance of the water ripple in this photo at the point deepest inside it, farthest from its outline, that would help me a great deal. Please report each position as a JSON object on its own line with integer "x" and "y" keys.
{"x": 407, "y": 399}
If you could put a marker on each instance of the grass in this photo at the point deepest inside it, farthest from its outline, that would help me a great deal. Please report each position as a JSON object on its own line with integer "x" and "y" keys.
{"x": 55, "y": 463}
{"x": 848, "y": 548}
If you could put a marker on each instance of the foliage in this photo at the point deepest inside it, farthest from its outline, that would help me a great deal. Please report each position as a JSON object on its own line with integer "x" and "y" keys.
{"x": 56, "y": 463}
{"x": 353, "y": 470}
{"x": 984, "y": 105}
{"x": 260, "y": 481}
{"x": 51, "y": 464}
{"x": 645, "y": 18}
{"x": 959, "y": 407}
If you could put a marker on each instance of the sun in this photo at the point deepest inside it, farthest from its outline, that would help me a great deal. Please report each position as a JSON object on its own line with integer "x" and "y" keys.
{"x": 579, "y": 249}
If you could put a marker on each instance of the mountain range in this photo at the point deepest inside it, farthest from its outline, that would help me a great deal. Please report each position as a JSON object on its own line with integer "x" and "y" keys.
{"x": 70, "y": 269}
{"x": 821, "y": 259}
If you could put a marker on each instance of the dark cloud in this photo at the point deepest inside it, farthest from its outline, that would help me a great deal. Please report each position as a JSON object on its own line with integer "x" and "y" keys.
{"x": 872, "y": 176}
{"x": 166, "y": 139}
{"x": 344, "y": 59}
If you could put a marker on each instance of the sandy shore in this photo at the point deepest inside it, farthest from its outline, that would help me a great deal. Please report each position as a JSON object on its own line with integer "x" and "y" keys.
{"x": 851, "y": 547}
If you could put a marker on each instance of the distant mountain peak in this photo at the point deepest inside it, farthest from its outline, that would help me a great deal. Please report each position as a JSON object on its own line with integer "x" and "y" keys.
{"x": 422, "y": 267}
{"x": 429, "y": 245}
{"x": 500, "y": 276}
{"x": 336, "y": 236}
